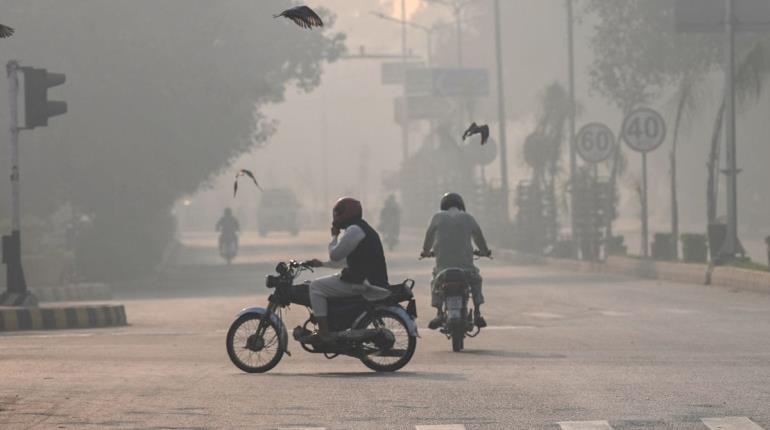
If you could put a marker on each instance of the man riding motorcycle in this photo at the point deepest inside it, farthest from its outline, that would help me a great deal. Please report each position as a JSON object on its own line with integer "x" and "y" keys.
{"x": 228, "y": 227}
{"x": 359, "y": 251}
{"x": 450, "y": 236}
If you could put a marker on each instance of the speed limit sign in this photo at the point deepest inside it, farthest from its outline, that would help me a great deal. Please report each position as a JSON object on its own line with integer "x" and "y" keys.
{"x": 644, "y": 130}
{"x": 595, "y": 142}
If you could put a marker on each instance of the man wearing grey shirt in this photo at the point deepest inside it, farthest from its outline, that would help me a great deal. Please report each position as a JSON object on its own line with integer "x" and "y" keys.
{"x": 450, "y": 236}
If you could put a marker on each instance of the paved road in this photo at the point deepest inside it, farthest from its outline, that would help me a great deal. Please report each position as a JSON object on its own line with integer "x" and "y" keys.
{"x": 564, "y": 351}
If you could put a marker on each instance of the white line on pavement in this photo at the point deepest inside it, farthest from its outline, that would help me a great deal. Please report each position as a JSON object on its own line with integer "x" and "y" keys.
{"x": 585, "y": 425}
{"x": 730, "y": 423}
{"x": 544, "y": 315}
{"x": 442, "y": 427}
{"x": 508, "y": 327}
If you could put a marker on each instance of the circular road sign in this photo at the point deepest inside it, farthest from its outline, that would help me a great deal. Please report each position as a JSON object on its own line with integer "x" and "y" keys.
{"x": 595, "y": 142}
{"x": 644, "y": 130}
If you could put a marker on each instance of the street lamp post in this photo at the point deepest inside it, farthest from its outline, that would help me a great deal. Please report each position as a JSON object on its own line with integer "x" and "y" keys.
{"x": 501, "y": 112}
{"x": 571, "y": 78}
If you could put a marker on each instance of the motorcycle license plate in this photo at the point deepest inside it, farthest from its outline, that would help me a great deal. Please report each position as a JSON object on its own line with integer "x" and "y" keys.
{"x": 454, "y": 306}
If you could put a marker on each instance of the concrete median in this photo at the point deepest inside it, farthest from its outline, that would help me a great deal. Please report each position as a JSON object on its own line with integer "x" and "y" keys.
{"x": 54, "y": 317}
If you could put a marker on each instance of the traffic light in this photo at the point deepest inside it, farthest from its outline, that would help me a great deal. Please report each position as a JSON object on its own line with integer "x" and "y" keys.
{"x": 37, "y": 107}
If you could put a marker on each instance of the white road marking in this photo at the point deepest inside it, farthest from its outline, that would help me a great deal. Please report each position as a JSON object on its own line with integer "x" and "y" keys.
{"x": 585, "y": 425}
{"x": 616, "y": 314}
{"x": 508, "y": 327}
{"x": 544, "y": 315}
{"x": 442, "y": 427}
{"x": 730, "y": 423}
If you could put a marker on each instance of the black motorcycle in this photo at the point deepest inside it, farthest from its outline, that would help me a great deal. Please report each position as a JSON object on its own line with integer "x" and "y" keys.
{"x": 382, "y": 334}
{"x": 455, "y": 289}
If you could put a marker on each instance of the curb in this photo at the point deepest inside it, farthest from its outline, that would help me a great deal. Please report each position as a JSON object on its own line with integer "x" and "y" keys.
{"x": 63, "y": 317}
{"x": 71, "y": 293}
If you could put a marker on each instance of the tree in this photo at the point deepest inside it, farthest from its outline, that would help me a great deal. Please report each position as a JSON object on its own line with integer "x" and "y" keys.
{"x": 162, "y": 96}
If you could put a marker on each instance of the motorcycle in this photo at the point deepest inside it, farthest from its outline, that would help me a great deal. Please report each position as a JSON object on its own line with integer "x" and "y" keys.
{"x": 228, "y": 249}
{"x": 382, "y": 334}
{"x": 455, "y": 289}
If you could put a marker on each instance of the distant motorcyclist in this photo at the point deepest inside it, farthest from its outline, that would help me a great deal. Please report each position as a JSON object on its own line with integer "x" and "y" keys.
{"x": 450, "y": 236}
{"x": 356, "y": 247}
{"x": 229, "y": 228}
{"x": 390, "y": 221}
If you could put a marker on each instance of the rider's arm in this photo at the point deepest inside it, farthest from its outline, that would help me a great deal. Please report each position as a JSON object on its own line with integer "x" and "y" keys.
{"x": 430, "y": 235}
{"x": 478, "y": 236}
{"x": 341, "y": 246}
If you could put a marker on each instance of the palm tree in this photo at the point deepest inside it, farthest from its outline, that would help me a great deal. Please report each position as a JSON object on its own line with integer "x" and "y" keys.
{"x": 686, "y": 99}
{"x": 750, "y": 79}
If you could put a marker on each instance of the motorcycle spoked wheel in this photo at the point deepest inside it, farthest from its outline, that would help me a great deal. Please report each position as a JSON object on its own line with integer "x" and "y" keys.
{"x": 402, "y": 349}
{"x": 249, "y": 353}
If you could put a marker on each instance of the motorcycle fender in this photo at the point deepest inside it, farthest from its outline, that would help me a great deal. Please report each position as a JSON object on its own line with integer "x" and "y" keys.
{"x": 284, "y": 335}
{"x": 398, "y": 310}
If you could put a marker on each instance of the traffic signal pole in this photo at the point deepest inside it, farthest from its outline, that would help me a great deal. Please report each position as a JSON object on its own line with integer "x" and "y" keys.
{"x": 16, "y": 287}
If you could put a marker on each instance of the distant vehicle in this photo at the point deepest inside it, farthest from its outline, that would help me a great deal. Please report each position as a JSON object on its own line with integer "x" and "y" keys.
{"x": 278, "y": 211}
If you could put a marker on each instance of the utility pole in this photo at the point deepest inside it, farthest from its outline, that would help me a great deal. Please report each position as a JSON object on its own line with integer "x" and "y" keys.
{"x": 16, "y": 293}
{"x": 571, "y": 78}
{"x": 731, "y": 246}
{"x": 404, "y": 53}
{"x": 501, "y": 113}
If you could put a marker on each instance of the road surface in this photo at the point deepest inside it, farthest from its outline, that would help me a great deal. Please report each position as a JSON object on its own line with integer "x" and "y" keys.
{"x": 563, "y": 351}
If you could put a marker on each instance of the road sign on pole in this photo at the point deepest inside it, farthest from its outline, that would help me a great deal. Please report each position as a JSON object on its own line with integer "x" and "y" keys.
{"x": 644, "y": 130}
{"x": 595, "y": 142}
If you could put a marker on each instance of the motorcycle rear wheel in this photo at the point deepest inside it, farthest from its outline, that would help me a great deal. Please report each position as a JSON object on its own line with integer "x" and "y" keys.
{"x": 240, "y": 335}
{"x": 403, "y": 348}
{"x": 458, "y": 337}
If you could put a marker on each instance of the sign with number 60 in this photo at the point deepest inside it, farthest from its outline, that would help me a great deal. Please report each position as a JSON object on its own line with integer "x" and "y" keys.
{"x": 644, "y": 130}
{"x": 595, "y": 142}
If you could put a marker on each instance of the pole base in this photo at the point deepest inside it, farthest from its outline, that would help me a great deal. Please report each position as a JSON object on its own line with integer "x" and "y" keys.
{"x": 26, "y": 299}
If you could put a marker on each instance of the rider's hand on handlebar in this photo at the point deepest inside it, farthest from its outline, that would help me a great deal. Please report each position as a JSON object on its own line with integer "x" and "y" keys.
{"x": 313, "y": 263}
{"x": 487, "y": 254}
{"x": 428, "y": 254}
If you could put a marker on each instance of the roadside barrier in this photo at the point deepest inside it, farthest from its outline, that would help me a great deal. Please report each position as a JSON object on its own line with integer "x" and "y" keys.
{"x": 702, "y": 274}
{"x": 61, "y": 317}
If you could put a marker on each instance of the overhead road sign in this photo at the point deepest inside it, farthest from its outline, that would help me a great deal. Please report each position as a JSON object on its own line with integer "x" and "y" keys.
{"x": 445, "y": 82}
{"x": 393, "y": 72}
{"x": 422, "y": 107}
{"x": 708, "y": 16}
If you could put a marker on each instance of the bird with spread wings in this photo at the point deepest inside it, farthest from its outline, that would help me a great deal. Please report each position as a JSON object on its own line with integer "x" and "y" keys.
{"x": 5, "y": 31}
{"x": 477, "y": 129}
{"x": 244, "y": 172}
{"x": 303, "y": 16}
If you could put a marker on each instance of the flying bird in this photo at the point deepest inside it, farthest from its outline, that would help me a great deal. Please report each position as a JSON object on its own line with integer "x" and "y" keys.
{"x": 5, "y": 31}
{"x": 477, "y": 129}
{"x": 244, "y": 172}
{"x": 303, "y": 16}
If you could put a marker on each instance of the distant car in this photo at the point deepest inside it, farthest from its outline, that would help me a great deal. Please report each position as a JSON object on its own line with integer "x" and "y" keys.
{"x": 278, "y": 211}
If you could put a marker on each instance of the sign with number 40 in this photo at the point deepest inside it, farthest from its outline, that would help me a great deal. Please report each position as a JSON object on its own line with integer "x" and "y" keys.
{"x": 644, "y": 130}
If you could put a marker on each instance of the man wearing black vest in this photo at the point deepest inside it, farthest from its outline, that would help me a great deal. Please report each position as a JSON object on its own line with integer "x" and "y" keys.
{"x": 357, "y": 248}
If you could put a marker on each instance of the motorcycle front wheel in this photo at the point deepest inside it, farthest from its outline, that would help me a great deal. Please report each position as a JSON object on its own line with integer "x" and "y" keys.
{"x": 252, "y": 353}
{"x": 397, "y": 355}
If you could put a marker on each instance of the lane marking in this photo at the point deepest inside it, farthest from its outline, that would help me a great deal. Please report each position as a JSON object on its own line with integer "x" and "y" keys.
{"x": 585, "y": 425}
{"x": 508, "y": 327}
{"x": 615, "y": 314}
{"x": 731, "y": 423}
{"x": 544, "y": 315}
{"x": 442, "y": 427}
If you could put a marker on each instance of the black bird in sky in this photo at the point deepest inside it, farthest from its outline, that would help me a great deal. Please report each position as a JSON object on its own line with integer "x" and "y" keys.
{"x": 477, "y": 129}
{"x": 5, "y": 31}
{"x": 303, "y": 16}
{"x": 244, "y": 172}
